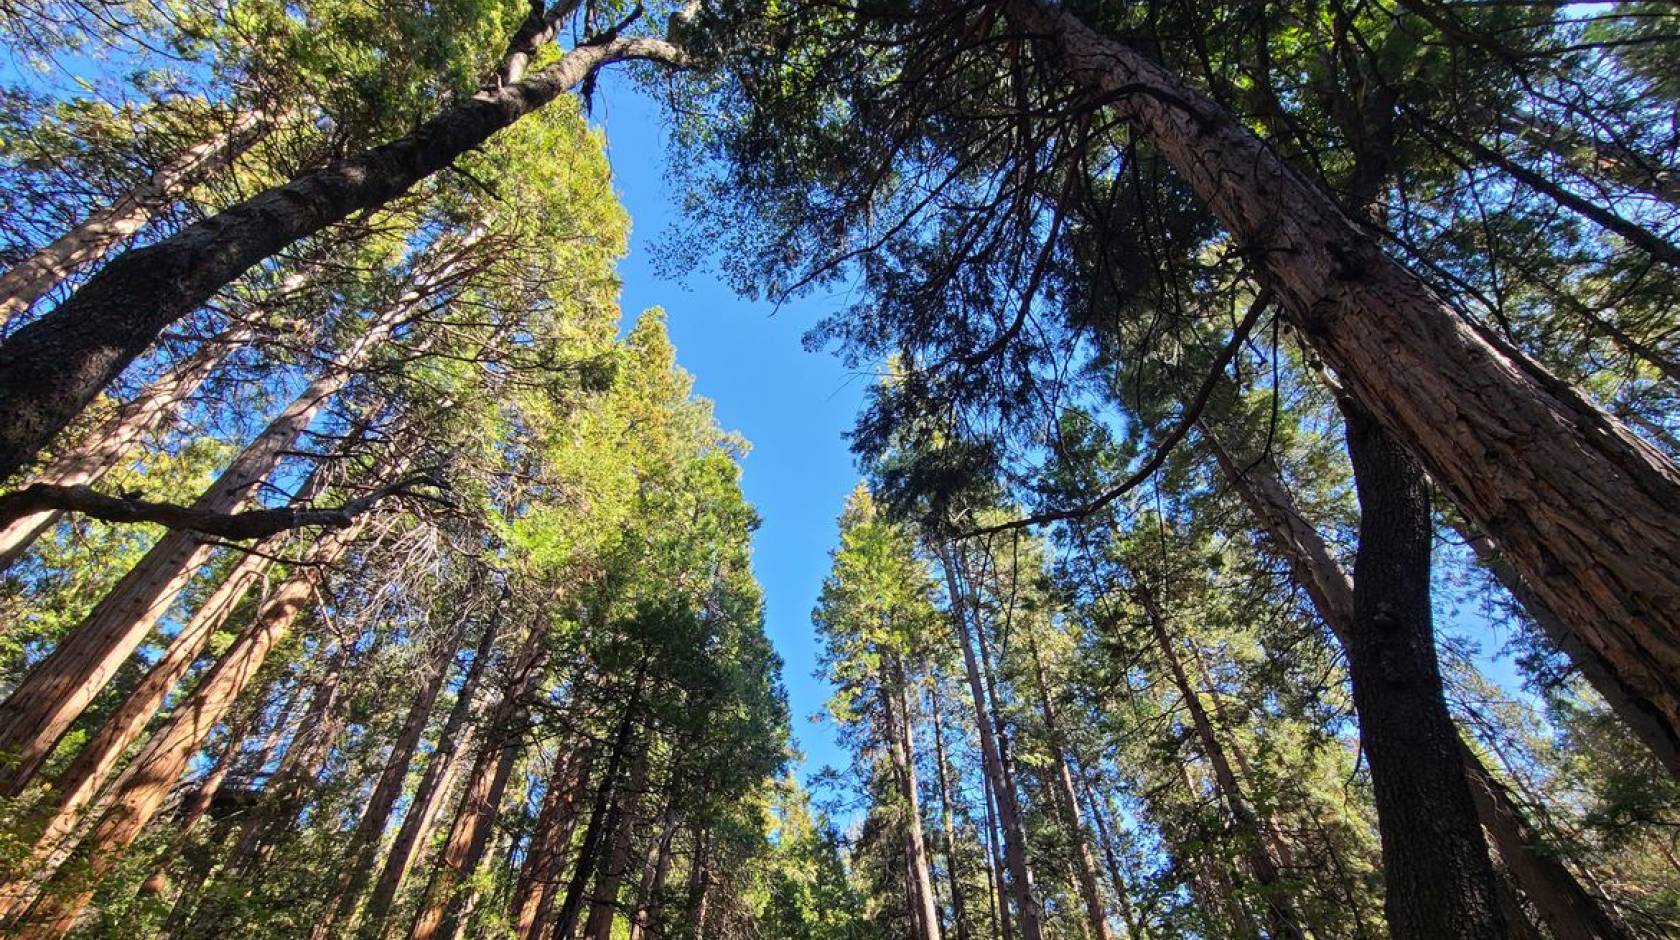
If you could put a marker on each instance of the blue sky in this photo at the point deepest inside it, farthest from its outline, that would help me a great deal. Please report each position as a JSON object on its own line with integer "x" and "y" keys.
{"x": 792, "y": 405}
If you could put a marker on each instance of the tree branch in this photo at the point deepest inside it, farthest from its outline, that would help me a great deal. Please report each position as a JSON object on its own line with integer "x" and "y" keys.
{"x": 252, "y": 524}
{"x": 1186, "y": 420}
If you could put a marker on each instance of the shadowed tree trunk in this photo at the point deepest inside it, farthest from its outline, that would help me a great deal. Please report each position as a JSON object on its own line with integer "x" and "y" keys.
{"x": 533, "y": 896}
{"x": 626, "y": 811}
{"x": 364, "y": 839}
{"x": 1282, "y": 917}
{"x": 1522, "y": 455}
{"x": 895, "y": 711}
{"x": 107, "y": 227}
{"x": 1332, "y": 594}
{"x": 947, "y": 824}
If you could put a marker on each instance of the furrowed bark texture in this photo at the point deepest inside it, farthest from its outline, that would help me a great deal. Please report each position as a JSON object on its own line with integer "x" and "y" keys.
{"x": 1521, "y": 454}
{"x": 53, "y": 367}
{"x": 149, "y": 777}
{"x": 92, "y": 238}
{"x": 1519, "y": 846}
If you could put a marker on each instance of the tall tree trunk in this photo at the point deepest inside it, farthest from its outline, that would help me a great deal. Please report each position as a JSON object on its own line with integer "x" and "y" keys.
{"x": 105, "y": 228}
{"x": 53, "y": 367}
{"x": 655, "y": 872}
{"x": 533, "y": 896}
{"x": 447, "y": 900}
{"x": 1522, "y": 455}
{"x": 1085, "y": 864}
{"x": 363, "y": 845}
{"x": 1435, "y": 859}
{"x": 1009, "y": 814}
{"x": 1332, "y": 593}
{"x": 1135, "y": 929}
{"x": 589, "y": 852}
{"x": 895, "y": 711}
{"x": 434, "y": 783}
{"x": 1282, "y": 918}
{"x": 43, "y": 706}
{"x": 92, "y": 457}
{"x": 947, "y": 824}
{"x": 603, "y": 907}
{"x": 160, "y": 763}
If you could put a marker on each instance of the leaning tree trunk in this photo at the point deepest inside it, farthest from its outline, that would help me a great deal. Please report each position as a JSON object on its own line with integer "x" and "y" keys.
{"x": 1009, "y": 813}
{"x": 152, "y": 772}
{"x": 895, "y": 711}
{"x": 1282, "y": 918}
{"x": 43, "y": 706}
{"x": 387, "y": 789}
{"x": 1332, "y": 593}
{"x": 52, "y": 368}
{"x": 1085, "y": 863}
{"x": 91, "y": 239}
{"x": 434, "y": 783}
{"x": 1435, "y": 859}
{"x": 104, "y": 447}
{"x": 446, "y": 903}
{"x": 1521, "y": 454}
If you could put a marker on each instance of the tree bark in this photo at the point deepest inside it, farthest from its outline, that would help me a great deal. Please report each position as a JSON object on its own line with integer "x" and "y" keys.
{"x": 1332, "y": 593}
{"x": 43, "y": 706}
{"x": 429, "y": 792}
{"x": 533, "y": 896}
{"x": 1521, "y": 454}
{"x": 1085, "y": 863}
{"x": 654, "y": 874}
{"x": 159, "y": 764}
{"x": 565, "y": 922}
{"x": 1435, "y": 859}
{"x": 91, "y": 239}
{"x": 1009, "y": 814}
{"x": 603, "y": 907}
{"x": 442, "y": 913}
{"x": 51, "y": 368}
{"x": 93, "y": 456}
{"x": 947, "y": 825}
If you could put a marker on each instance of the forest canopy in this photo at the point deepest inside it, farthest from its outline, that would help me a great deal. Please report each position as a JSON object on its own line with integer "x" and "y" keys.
{"x": 1268, "y": 516}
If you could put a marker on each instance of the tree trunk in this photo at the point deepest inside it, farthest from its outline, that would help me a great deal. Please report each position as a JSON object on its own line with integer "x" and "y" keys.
{"x": 434, "y": 783}
{"x": 1282, "y": 918}
{"x": 533, "y": 896}
{"x": 603, "y": 907}
{"x": 1435, "y": 860}
{"x": 947, "y": 825}
{"x": 654, "y": 874}
{"x": 93, "y": 456}
{"x": 1135, "y": 929}
{"x": 1009, "y": 814}
{"x": 1085, "y": 864}
{"x": 364, "y": 839}
{"x": 159, "y": 764}
{"x": 1332, "y": 594}
{"x": 51, "y": 368}
{"x": 589, "y": 852}
{"x": 1522, "y": 455}
{"x": 447, "y": 900}
{"x": 43, "y": 706}
{"x": 895, "y": 711}
{"x": 91, "y": 239}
